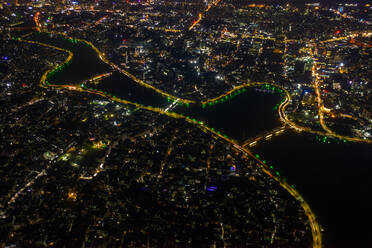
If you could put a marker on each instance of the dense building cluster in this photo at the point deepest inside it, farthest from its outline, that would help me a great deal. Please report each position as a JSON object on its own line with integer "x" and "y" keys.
{"x": 79, "y": 169}
{"x": 232, "y": 46}
{"x": 84, "y": 169}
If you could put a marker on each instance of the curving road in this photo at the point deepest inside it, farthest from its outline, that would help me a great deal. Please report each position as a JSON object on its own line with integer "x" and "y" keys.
{"x": 314, "y": 225}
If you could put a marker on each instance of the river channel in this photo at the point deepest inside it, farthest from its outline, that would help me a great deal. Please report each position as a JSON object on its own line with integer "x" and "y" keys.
{"x": 335, "y": 178}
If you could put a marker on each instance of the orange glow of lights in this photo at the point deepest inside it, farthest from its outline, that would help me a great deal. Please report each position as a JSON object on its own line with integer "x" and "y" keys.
{"x": 98, "y": 145}
{"x": 72, "y": 195}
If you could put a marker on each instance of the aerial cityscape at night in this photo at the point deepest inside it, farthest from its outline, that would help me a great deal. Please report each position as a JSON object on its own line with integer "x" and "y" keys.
{"x": 185, "y": 123}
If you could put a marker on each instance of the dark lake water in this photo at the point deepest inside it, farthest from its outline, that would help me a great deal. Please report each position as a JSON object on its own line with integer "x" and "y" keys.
{"x": 335, "y": 179}
{"x": 241, "y": 117}
{"x": 84, "y": 64}
{"x": 123, "y": 87}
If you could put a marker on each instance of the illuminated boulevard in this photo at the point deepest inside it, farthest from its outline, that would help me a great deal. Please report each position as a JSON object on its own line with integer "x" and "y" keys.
{"x": 315, "y": 228}
{"x": 316, "y": 232}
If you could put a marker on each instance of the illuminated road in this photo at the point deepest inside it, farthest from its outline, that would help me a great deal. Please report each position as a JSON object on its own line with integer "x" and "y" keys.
{"x": 28, "y": 184}
{"x": 29, "y": 103}
{"x": 169, "y": 150}
{"x": 237, "y": 89}
{"x": 319, "y": 100}
{"x": 315, "y": 229}
{"x": 100, "y": 168}
{"x": 200, "y": 15}
{"x": 281, "y": 110}
{"x": 171, "y": 106}
{"x": 321, "y": 109}
{"x": 316, "y": 234}
{"x": 317, "y": 240}
{"x": 36, "y": 20}
{"x": 284, "y": 118}
{"x": 265, "y": 136}
{"x": 97, "y": 78}
{"x": 32, "y": 181}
